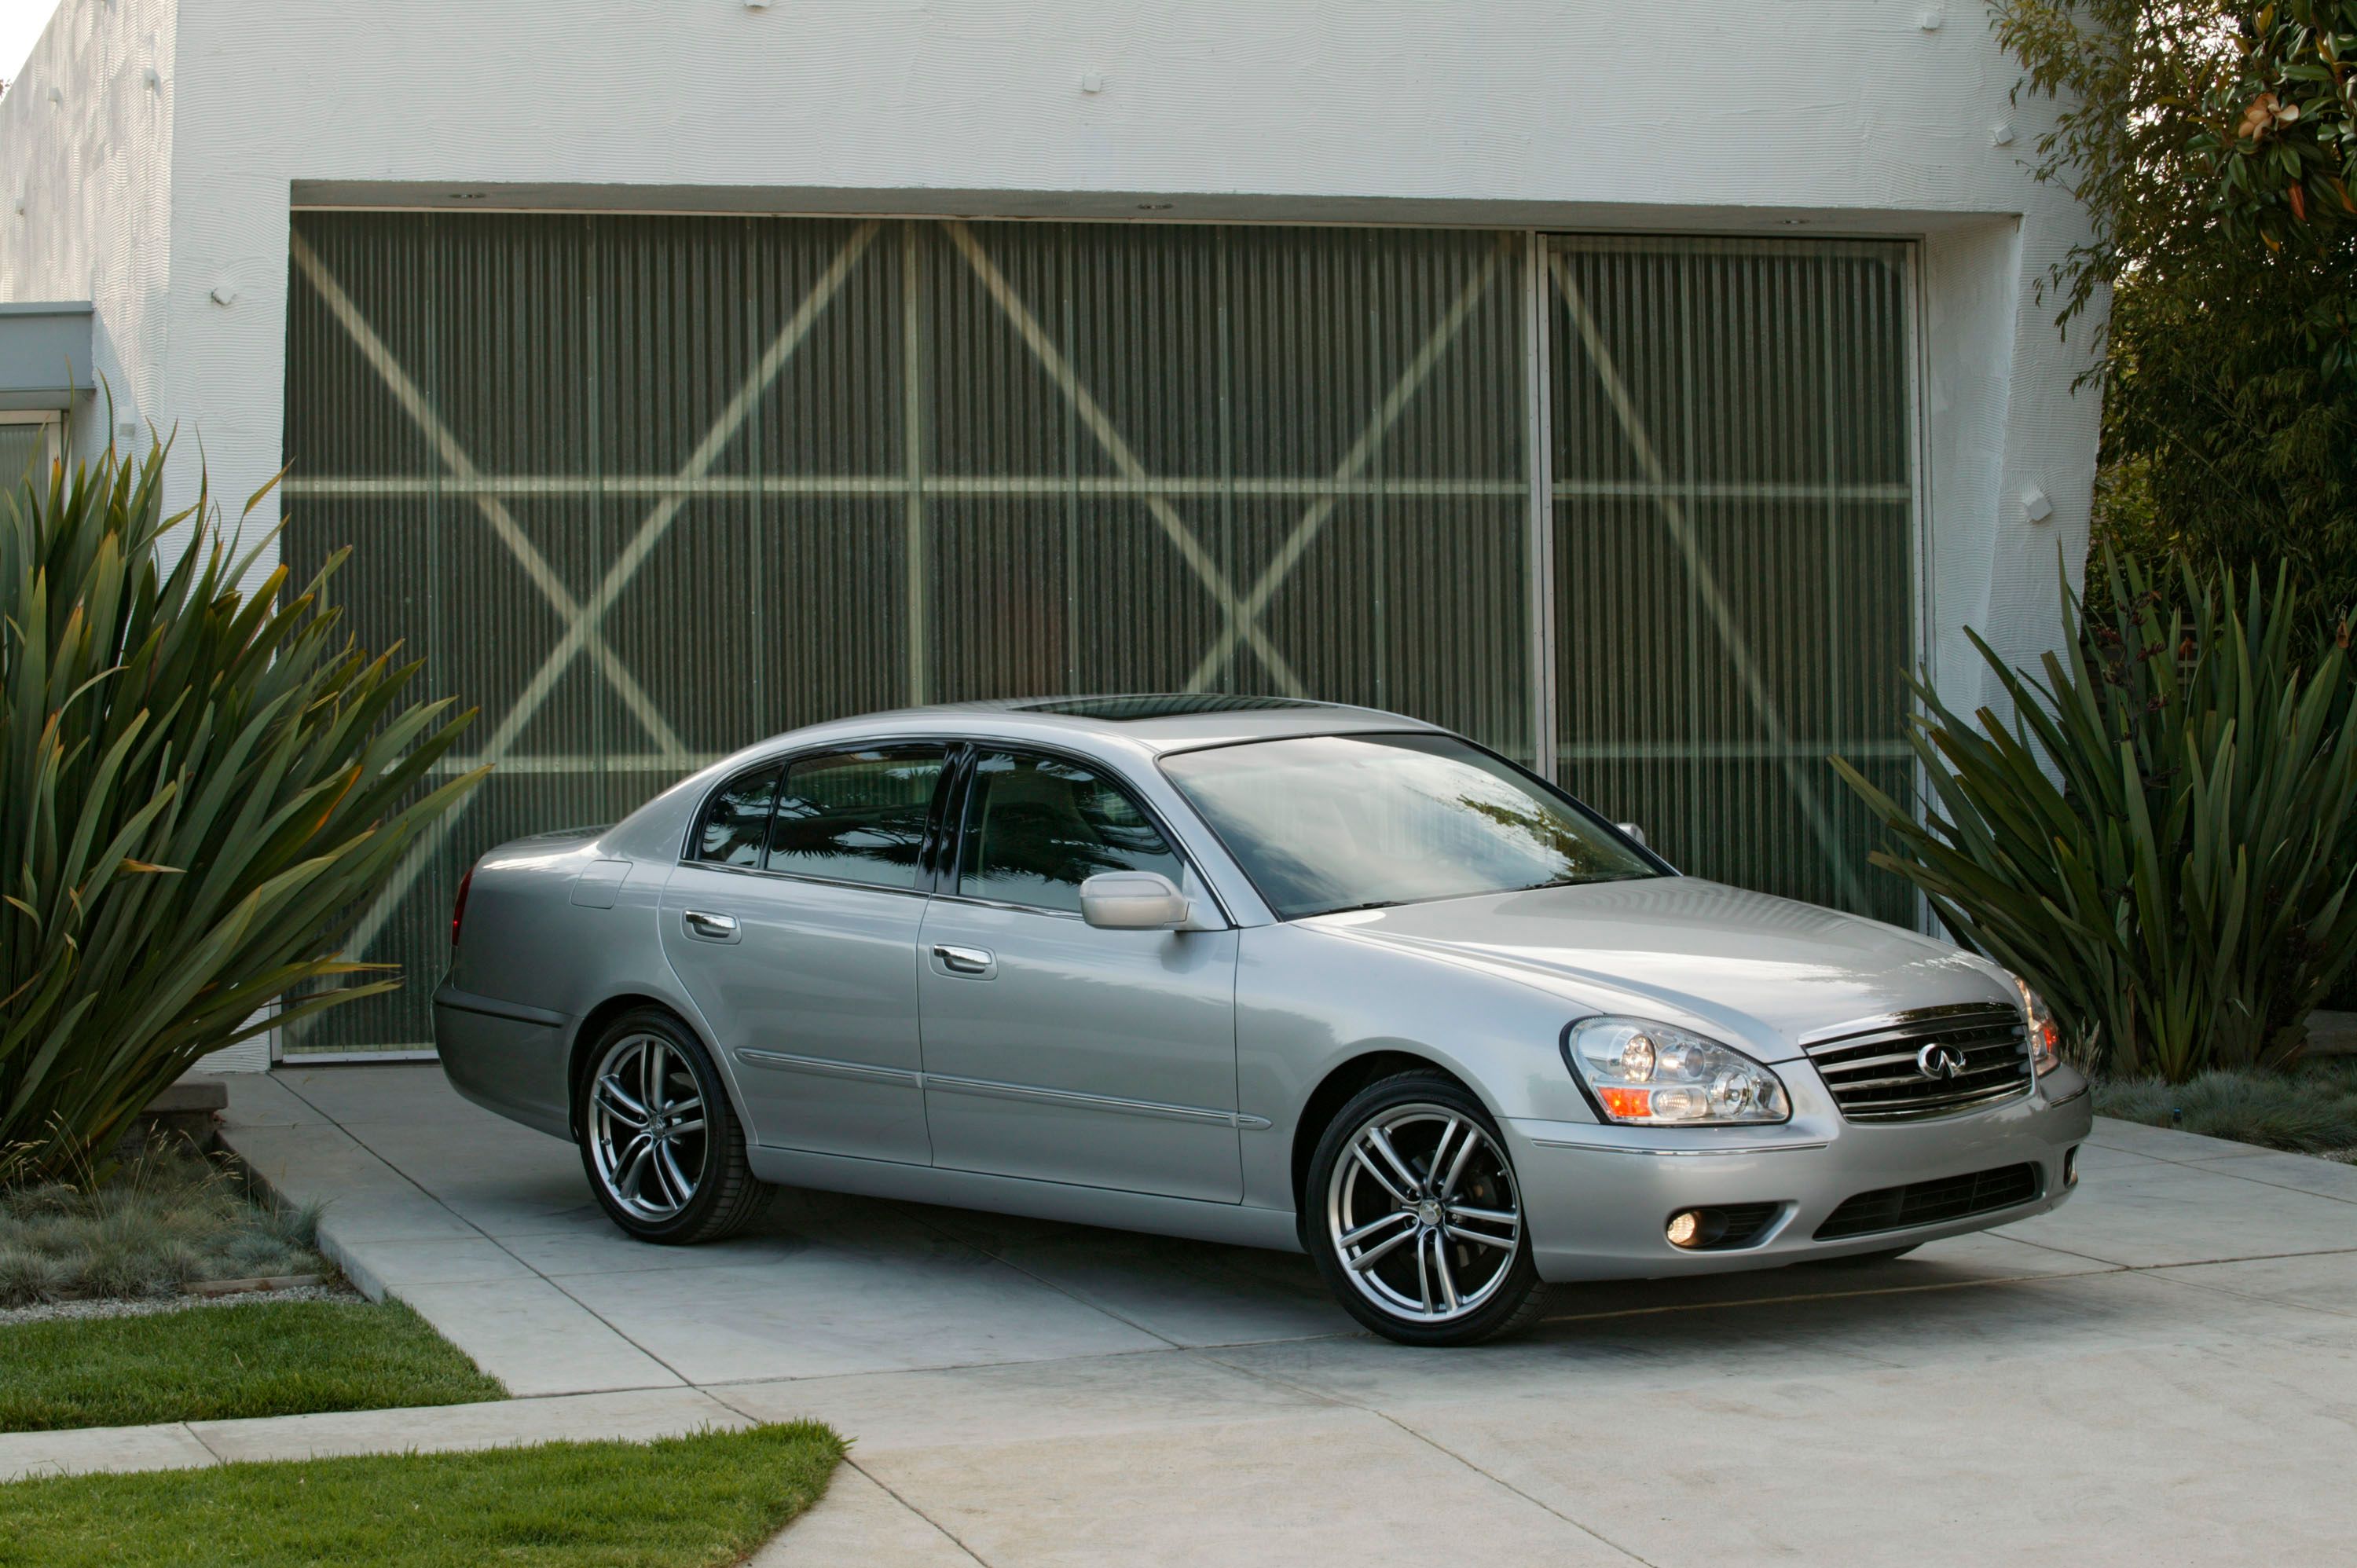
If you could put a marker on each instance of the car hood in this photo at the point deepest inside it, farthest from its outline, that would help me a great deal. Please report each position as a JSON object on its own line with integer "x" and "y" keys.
{"x": 1759, "y": 969}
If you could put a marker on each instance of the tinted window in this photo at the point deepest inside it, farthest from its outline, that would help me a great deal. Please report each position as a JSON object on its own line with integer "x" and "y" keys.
{"x": 739, "y": 819}
{"x": 857, "y": 816}
{"x": 1330, "y": 822}
{"x": 1036, "y": 828}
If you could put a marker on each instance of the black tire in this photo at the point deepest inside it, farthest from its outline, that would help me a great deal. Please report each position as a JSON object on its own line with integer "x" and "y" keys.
{"x": 724, "y": 1194}
{"x": 1511, "y": 1294}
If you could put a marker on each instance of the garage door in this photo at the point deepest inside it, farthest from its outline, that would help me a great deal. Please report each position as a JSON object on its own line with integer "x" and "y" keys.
{"x": 645, "y": 488}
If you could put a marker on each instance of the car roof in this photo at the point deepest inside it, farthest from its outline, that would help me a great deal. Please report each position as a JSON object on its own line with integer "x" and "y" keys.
{"x": 1158, "y": 721}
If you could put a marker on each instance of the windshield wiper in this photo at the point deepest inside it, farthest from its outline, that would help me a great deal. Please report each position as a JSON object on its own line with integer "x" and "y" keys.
{"x": 1354, "y": 909}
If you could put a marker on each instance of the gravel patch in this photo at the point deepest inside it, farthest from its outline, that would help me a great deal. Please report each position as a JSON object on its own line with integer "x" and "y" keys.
{"x": 146, "y": 1306}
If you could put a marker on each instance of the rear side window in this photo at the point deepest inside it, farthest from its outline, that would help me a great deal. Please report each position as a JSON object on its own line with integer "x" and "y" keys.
{"x": 737, "y": 818}
{"x": 1036, "y": 828}
{"x": 857, "y": 816}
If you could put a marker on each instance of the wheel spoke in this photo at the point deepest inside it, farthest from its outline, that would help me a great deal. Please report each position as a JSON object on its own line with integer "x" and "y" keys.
{"x": 1368, "y": 1258}
{"x": 1485, "y": 1216}
{"x": 1457, "y": 1167}
{"x": 1440, "y": 1267}
{"x": 619, "y": 1103}
{"x": 1503, "y": 1243}
{"x": 682, "y": 1189}
{"x": 1440, "y": 1151}
{"x": 1381, "y": 1143}
{"x": 681, "y": 1129}
{"x": 651, "y": 1085}
{"x": 627, "y": 1178}
{"x": 1374, "y": 1227}
{"x": 1382, "y": 1180}
{"x": 1423, "y": 1276}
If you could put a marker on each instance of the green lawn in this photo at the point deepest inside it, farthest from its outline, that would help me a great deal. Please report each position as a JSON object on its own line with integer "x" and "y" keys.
{"x": 208, "y": 1362}
{"x": 704, "y": 1500}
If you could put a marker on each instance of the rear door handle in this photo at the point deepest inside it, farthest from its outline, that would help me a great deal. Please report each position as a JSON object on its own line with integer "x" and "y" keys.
{"x": 975, "y": 962}
{"x": 712, "y": 927}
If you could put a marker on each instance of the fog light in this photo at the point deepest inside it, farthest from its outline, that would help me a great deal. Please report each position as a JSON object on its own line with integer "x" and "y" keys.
{"x": 1685, "y": 1229}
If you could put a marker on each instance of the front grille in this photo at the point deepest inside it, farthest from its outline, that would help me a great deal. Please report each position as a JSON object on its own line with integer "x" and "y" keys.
{"x": 1874, "y": 1075}
{"x": 1931, "y": 1202}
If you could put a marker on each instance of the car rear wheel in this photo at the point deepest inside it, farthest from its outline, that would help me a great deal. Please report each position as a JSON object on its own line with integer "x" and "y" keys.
{"x": 664, "y": 1149}
{"x": 1415, "y": 1216}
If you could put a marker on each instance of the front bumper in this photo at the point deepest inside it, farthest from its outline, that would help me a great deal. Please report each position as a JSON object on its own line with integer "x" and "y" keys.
{"x": 1596, "y": 1197}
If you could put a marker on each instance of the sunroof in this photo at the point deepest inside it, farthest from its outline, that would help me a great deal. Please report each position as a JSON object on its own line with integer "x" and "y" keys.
{"x": 1163, "y": 705}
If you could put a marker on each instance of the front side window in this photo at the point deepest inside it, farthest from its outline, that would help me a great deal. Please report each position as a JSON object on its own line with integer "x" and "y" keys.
{"x": 857, "y": 816}
{"x": 1036, "y": 828}
{"x": 738, "y": 820}
{"x": 1323, "y": 823}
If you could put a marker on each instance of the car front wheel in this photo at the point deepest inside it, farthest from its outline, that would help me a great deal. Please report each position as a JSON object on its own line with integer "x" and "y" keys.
{"x": 664, "y": 1152}
{"x": 1416, "y": 1217}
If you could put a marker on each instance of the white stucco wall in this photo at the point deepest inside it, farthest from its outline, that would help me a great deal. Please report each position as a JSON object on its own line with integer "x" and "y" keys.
{"x": 85, "y": 191}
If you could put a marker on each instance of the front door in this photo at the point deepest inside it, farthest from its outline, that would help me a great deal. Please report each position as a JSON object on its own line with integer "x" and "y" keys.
{"x": 1057, "y": 1051}
{"x": 796, "y": 930}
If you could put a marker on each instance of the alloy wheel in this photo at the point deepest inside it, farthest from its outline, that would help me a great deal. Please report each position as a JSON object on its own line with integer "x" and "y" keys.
{"x": 648, "y": 1127}
{"x": 1423, "y": 1213}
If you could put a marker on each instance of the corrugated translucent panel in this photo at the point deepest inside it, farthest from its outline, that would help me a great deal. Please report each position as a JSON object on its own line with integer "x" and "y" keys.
{"x": 1733, "y": 549}
{"x": 646, "y": 488}
{"x": 20, "y": 446}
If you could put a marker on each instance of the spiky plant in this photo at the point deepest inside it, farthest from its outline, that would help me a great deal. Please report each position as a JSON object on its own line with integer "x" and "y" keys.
{"x": 201, "y": 787}
{"x": 2163, "y": 837}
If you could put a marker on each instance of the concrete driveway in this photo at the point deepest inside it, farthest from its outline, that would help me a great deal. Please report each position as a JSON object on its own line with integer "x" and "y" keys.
{"x": 2164, "y": 1371}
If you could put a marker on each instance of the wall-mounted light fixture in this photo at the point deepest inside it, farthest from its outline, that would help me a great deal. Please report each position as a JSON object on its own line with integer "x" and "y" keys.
{"x": 2035, "y": 506}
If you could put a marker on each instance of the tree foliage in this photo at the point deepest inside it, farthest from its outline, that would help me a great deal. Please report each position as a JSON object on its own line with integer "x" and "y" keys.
{"x": 2212, "y": 147}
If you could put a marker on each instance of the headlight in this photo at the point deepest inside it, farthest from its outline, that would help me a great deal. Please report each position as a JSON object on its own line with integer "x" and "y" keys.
{"x": 2045, "y": 1034}
{"x": 1660, "y": 1075}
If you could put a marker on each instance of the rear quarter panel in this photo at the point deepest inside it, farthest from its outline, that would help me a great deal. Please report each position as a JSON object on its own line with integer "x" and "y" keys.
{"x": 552, "y": 929}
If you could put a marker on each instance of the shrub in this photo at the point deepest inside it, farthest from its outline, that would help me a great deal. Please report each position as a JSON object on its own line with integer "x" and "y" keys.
{"x": 166, "y": 1218}
{"x": 2163, "y": 838}
{"x": 2311, "y": 1110}
{"x": 200, "y": 786}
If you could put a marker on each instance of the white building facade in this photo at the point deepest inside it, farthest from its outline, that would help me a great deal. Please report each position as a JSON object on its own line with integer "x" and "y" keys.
{"x": 1636, "y": 389}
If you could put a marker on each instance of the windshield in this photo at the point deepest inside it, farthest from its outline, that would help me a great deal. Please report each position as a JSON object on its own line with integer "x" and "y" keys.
{"x": 1327, "y": 822}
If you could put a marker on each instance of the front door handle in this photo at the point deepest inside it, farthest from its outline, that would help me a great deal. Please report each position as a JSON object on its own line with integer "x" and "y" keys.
{"x": 975, "y": 961}
{"x": 712, "y": 927}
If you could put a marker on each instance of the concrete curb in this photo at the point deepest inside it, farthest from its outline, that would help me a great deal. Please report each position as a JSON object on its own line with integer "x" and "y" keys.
{"x": 635, "y": 1416}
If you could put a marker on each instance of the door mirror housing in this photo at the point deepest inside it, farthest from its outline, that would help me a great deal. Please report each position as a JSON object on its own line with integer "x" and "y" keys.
{"x": 1134, "y": 901}
{"x": 1634, "y": 832}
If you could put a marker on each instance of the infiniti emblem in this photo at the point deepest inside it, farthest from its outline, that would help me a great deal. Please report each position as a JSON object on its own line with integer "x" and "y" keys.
{"x": 1939, "y": 1061}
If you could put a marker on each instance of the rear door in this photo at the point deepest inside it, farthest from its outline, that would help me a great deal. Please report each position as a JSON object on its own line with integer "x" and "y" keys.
{"x": 795, "y": 928}
{"x": 1055, "y": 1050}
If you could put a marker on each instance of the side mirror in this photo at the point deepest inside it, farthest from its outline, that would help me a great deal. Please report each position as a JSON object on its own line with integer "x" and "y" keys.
{"x": 1634, "y": 831}
{"x": 1132, "y": 901}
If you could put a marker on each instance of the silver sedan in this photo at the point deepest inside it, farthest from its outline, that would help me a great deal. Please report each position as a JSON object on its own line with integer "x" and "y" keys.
{"x": 1253, "y": 971}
